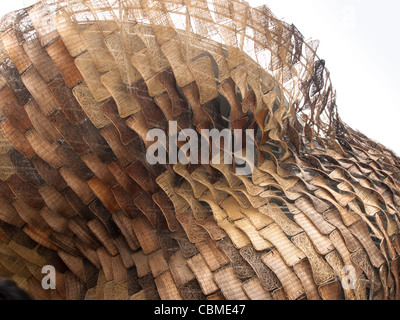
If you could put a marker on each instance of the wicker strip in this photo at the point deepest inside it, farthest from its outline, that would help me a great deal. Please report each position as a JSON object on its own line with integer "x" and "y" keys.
{"x": 233, "y": 209}
{"x": 194, "y": 233}
{"x": 28, "y": 214}
{"x": 103, "y": 193}
{"x": 304, "y": 272}
{"x": 166, "y": 287}
{"x": 255, "y": 291}
{"x": 321, "y": 271}
{"x": 214, "y": 257}
{"x": 79, "y": 186}
{"x": 25, "y": 192}
{"x": 321, "y": 242}
{"x": 120, "y": 273}
{"x": 289, "y": 252}
{"x": 41, "y": 123}
{"x": 242, "y": 269}
{"x": 167, "y": 208}
{"x": 69, "y": 33}
{"x": 112, "y": 137}
{"x": 203, "y": 274}
{"x": 89, "y": 253}
{"x": 180, "y": 270}
{"x": 200, "y": 175}
{"x": 330, "y": 291}
{"x": 15, "y": 51}
{"x": 120, "y": 44}
{"x": 340, "y": 245}
{"x": 142, "y": 62}
{"x": 16, "y": 138}
{"x": 334, "y": 218}
{"x": 336, "y": 263}
{"x": 141, "y": 263}
{"x": 259, "y": 243}
{"x": 65, "y": 63}
{"x": 56, "y": 201}
{"x": 211, "y": 226}
{"x": 89, "y": 72}
{"x": 127, "y": 105}
{"x": 171, "y": 50}
{"x": 146, "y": 235}
{"x": 9, "y": 214}
{"x": 7, "y": 167}
{"x": 45, "y": 150}
{"x": 347, "y": 216}
{"x": 158, "y": 264}
{"x": 307, "y": 208}
{"x": 291, "y": 283}
{"x": 204, "y": 75}
{"x": 238, "y": 237}
{"x": 147, "y": 206}
{"x": 79, "y": 226}
{"x": 268, "y": 279}
{"x": 39, "y": 13}
{"x": 125, "y": 252}
{"x": 100, "y": 231}
{"x": 41, "y": 60}
{"x": 93, "y": 37}
{"x": 75, "y": 264}
{"x": 361, "y": 232}
{"x": 230, "y": 285}
{"x": 125, "y": 225}
{"x": 142, "y": 177}
{"x": 126, "y": 202}
{"x": 273, "y": 211}
{"x": 106, "y": 263}
{"x": 40, "y": 91}
{"x": 185, "y": 191}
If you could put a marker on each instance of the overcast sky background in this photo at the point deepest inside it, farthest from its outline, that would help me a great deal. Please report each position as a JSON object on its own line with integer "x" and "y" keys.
{"x": 359, "y": 39}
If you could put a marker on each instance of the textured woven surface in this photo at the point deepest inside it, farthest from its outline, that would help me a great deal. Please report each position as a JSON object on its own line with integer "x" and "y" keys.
{"x": 82, "y": 82}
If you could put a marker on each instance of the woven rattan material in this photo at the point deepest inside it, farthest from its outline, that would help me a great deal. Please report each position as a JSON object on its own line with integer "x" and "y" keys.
{"x": 82, "y": 83}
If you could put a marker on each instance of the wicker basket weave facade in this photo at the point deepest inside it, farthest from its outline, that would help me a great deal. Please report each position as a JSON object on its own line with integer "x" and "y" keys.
{"x": 81, "y": 85}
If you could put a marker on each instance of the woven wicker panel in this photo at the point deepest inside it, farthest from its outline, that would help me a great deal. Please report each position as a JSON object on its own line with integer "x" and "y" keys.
{"x": 81, "y": 85}
{"x": 290, "y": 282}
{"x": 231, "y": 286}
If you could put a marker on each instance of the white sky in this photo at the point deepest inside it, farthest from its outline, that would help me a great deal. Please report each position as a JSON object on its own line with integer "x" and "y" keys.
{"x": 359, "y": 41}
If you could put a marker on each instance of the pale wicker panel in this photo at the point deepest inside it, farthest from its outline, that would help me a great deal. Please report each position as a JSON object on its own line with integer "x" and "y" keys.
{"x": 320, "y": 241}
{"x": 180, "y": 269}
{"x": 88, "y": 69}
{"x": 40, "y": 91}
{"x": 93, "y": 37}
{"x": 321, "y": 271}
{"x": 43, "y": 22}
{"x": 158, "y": 264}
{"x": 91, "y": 107}
{"x": 69, "y": 33}
{"x": 146, "y": 235}
{"x": 259, "y": 243}
{"x": 238, "y": 237}
{"x": 126, "y": 104}
{"x": 255, "y": 291}
{"x": 291, "y": 283}
{"x": 214, "y": 257}
{"x": 166, "y": 287}
{"x": 304, "y": 272}
{"x": 289, "y": 252}
{"x": 203, "y": 274}
{"x": 229, "y": 284}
